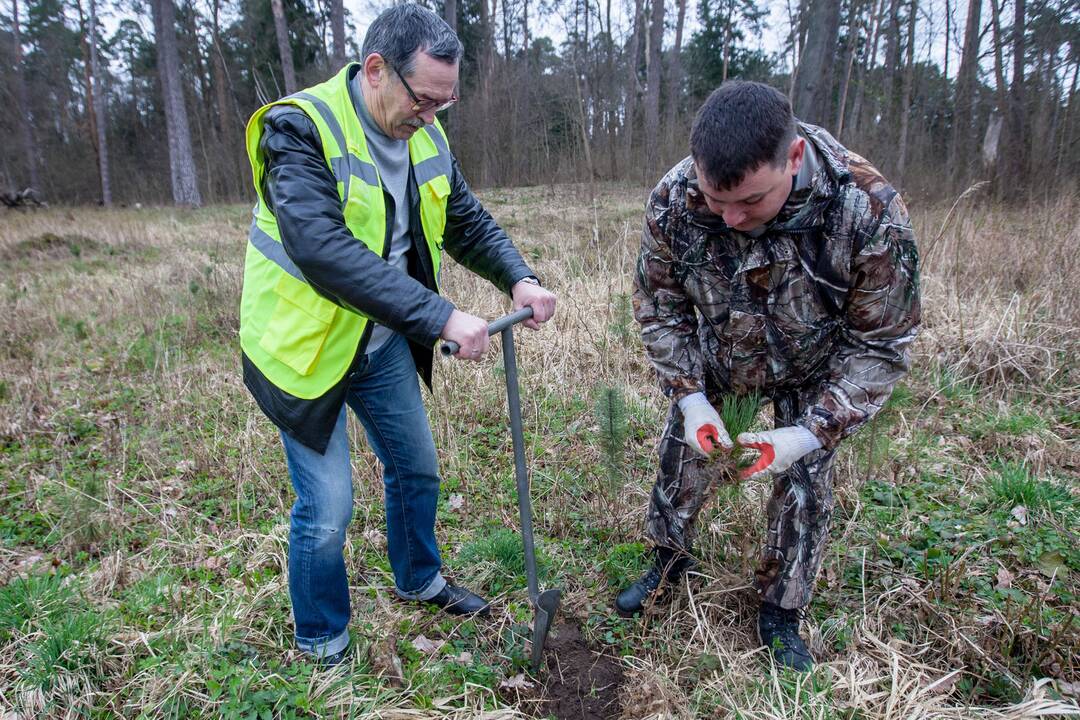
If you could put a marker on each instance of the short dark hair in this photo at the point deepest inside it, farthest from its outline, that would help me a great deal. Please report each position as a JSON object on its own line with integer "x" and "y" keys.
{"x": 400, "y": 31}
{"x": 741, "y": 126}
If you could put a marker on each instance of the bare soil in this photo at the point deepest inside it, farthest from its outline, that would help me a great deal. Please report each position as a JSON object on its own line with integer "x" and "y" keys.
{"x": 581, "y": 683}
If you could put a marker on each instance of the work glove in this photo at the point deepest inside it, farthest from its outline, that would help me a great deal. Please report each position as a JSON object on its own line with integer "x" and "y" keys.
{"x": 779, "y": 449}
{"x": 703, "y": 429}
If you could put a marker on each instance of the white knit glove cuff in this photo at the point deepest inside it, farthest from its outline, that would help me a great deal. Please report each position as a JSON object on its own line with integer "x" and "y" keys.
{"x": 691, "y": 400}
{"x": 802, "y": 440}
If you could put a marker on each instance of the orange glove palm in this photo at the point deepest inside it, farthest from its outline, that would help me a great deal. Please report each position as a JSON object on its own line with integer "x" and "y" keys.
{"x": 779, "y": 449}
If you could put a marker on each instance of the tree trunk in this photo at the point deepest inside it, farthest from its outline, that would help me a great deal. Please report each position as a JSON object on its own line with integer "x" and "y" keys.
{"x": 1016, "y": 148}
{"x": 865, "y": 68}
{"x": 524, "y": 30}
{"x": 450, "y": 14}
{"x": 891, "y": 95}
{"x": 487, "y": 52}
{"x": 632, "y": 82}
{"x": 225, "y": 125}
{"x": 506, "y": 30}
{"x": 675, "y": 73}
{"x": 185, "y": 186}
{"x": 813, "y": 90}
{"x": 1067, "y": 123}
{"x": 727, "y": 39}
{"x": 854, "y": 25}
{"x": 201, "y": 74}
{"x": 88, "y": 84}
{"x": 948, "y": 30}
{"x": 26, "y": 122}
{"x": 962, "y": 146}
{"x": 905, "y": 103}
{"x": 1047, "y": 117}
{"x": 652, "y": 87}
{"x": 99, "y": 110}
{"x": 337, "y": 30}
{"x": 999, "y": 63}
{"x": 281, "y": 29}
{"x": 586, "y": 144}
{"x": 795, "y": 37}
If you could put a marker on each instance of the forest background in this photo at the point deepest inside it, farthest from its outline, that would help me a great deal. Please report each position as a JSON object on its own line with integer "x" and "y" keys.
{"x": 124, "y": 101}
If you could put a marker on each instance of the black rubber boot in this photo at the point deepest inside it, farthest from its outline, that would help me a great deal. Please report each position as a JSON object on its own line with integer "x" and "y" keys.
{"x": 779, "y": 631}
{"x": 667, "y": 565}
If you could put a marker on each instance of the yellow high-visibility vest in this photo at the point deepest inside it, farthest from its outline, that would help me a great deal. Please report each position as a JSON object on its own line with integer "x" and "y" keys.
{"x": 302, "y": 342}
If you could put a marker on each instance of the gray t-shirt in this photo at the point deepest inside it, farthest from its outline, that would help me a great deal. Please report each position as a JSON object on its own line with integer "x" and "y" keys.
{"x": 391, "y": 157}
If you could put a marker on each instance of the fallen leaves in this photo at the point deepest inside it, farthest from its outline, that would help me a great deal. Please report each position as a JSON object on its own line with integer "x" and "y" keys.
{"x": 428, "y": 647}
{"x": 385, "y": 660}
{"x": 518, "y": 682}
{"x": 1052, "y": 564}
{"x": 375, "y": 537}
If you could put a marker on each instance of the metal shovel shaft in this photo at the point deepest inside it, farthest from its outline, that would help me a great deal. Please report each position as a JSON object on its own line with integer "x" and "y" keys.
{"x": 546, "y": 604}
{"x": 521, "y": 475}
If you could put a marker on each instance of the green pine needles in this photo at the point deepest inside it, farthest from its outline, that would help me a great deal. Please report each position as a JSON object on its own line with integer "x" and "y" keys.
{"x": 738, "y": 413}
{"x": 610, "y": 413}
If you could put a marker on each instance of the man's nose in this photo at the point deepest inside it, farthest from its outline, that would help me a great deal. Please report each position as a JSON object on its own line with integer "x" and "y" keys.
{"x": 428, "y": 116}
{"x": 733, "y": 217}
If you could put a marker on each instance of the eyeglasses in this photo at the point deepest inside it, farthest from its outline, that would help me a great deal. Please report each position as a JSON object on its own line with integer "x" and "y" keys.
{"x": 424, "y": 105}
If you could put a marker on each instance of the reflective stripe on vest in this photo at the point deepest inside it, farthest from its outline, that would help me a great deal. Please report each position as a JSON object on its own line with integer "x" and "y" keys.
{"x": 273, "y": 250}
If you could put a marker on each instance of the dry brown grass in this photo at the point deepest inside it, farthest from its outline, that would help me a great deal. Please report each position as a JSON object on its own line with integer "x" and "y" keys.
{"x": 132, "y": 437}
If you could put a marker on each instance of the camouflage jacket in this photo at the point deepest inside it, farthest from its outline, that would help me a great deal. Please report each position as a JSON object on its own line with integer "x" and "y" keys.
{"x": 824, "y": 303}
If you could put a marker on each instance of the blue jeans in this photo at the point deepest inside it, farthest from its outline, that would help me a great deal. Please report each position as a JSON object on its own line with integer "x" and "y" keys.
{"x": 384, "y": 392}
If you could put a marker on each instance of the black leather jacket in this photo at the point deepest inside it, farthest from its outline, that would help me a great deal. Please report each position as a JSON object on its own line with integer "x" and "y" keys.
{"x": 302, "y": 193}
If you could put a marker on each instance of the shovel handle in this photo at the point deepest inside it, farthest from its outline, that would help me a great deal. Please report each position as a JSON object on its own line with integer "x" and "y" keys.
{"x": 494, "y": 327}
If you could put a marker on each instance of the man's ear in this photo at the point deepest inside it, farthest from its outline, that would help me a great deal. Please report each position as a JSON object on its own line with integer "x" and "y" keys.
{"x": 373, "y": 69}
{"x": 796, "y": 154}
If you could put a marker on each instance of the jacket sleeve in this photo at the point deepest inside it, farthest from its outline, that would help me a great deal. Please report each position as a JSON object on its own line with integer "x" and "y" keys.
{"x": 880, "y": 321}
{"x": 302, "y": 193}
{"x": 475, "y": 240}
{"x": 669, "y": 324}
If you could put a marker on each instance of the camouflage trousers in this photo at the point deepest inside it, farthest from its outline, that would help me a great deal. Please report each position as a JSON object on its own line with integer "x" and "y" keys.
{"x": 798, "y": 511}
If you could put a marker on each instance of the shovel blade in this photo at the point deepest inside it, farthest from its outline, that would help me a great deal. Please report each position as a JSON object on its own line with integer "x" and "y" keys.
{"x": 547, "y": 605}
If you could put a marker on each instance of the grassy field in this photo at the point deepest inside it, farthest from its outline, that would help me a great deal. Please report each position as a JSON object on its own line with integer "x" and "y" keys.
{"x": 144, "y": 499}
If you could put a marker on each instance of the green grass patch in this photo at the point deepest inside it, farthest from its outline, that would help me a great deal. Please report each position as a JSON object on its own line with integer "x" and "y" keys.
{"x": 1013, "y": 484}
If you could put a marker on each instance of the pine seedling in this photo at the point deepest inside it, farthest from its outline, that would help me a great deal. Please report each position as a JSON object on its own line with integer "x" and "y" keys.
{"x": 738, "y": 413}
{"x": 623, "y": 326}
{"x": 611, "y": 416}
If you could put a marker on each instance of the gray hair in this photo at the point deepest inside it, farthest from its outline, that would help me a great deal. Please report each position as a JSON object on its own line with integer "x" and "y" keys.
{"x": 400, "y": 31}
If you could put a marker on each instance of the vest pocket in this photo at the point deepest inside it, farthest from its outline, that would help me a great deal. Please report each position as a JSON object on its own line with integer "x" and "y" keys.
{"x": 298, "y": 325}
{"x": 435, "y": 211}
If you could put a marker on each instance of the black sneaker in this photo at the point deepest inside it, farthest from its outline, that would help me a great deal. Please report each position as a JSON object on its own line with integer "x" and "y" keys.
{"x": 779, "y": 631}
{"x": 341, "y": 657}
{"x": 666, "y": 566}
{"x": 460, "y": 601}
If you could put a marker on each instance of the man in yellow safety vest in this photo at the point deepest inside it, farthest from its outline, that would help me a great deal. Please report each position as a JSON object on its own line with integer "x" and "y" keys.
{"x": 358, "y": 194}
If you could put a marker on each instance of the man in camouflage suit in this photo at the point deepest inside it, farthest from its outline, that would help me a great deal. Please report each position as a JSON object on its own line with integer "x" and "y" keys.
{"x": 773, "y": 261}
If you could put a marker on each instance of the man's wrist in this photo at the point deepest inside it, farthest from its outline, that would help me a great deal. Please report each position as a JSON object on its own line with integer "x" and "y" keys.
{"x": 531, "y": 279}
